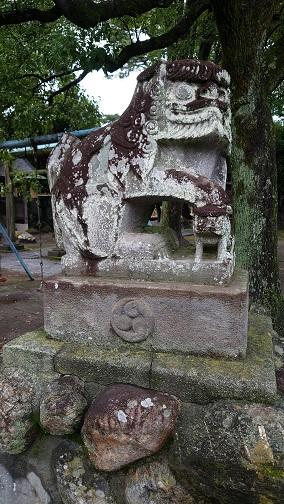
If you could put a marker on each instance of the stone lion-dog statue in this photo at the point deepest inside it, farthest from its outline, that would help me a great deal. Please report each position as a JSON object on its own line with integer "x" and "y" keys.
{"x": 171, "y": 143}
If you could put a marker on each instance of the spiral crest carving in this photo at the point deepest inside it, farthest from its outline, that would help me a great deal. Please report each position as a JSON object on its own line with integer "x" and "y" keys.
{"x": 132, "y": 320}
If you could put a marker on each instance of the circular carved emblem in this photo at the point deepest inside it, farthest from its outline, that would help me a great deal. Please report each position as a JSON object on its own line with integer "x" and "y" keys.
{"x": 151, "y": 127}
{"x": 184, "y": 92}
{"x": 132, "y": 320}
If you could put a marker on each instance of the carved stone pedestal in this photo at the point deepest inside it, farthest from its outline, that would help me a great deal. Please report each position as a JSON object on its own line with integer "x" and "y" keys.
{"x": 192, "y": 378}
{"x": 165, "y": 317}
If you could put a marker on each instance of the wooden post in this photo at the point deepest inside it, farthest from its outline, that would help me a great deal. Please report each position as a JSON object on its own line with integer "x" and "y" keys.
{"x": 171, "y": 217}
{"x": 10, "y": 205}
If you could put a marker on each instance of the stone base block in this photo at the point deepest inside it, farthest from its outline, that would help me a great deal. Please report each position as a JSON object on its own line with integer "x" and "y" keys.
{"x": 32, "y": 352}
{"x": 56, "y": 253}
{"x": 191, "y": 378}
{"x": 209, "y": 272}
{"x": 162, "y": 317}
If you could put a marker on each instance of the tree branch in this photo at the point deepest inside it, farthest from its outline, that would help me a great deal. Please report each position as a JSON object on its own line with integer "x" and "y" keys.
{"x": 44, "y": 80}
{"x": 18, "y": 16}
{"x": 179, "y": 31}
{"x": 206, "y": 46}
{"x": 110, "y": 64}
{"x": 124, "y": 23}
{"x": 88, "y": 13}
{"x": 205, "y": 49}
{"x": 67, "y": 86}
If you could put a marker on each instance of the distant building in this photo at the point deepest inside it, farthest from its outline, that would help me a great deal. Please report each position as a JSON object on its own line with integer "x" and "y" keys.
{"x": 26, "y": 211}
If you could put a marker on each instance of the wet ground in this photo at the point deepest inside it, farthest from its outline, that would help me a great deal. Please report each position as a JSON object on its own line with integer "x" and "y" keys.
{"x": 20, "y": 306}
{"x": 21, "y": 299}
{"x": 32, "y": 258}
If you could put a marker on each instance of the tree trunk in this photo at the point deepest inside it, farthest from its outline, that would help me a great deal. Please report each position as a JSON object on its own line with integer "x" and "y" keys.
{"x": 242, "y": 28}
{"x": 171, "y": 217}
{"x": 254, "y": 184}
{"x": 10, "y": 204}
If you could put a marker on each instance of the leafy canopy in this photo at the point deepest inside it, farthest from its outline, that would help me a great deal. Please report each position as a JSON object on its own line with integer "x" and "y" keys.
{"x": 37, "y": 59}
{"x": 49, "y": 46}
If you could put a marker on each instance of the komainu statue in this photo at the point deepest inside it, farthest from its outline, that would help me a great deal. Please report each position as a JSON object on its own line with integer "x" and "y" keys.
{"x": 170, "y": 143}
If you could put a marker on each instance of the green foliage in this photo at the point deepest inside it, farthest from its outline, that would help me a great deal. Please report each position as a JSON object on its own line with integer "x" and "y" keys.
{"x": 26, "y": 183}
{"x": 22, "y": 183}
{"x": 277, "y": 102}
{"x": 109, "y": 118}
{"x": 39, "y": 59}
{"x": 202, "y": 41}
{"x": 6, "y": 156}
{"x": 35, "y": 61}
